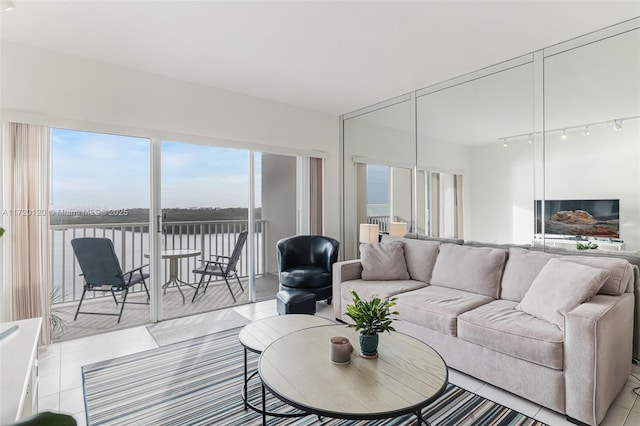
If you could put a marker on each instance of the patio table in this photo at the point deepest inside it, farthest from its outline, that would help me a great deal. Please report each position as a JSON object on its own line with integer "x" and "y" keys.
{"x": 173, "y": 255}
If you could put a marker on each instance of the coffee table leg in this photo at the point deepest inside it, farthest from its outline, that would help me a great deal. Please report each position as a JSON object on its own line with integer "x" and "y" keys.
{"x": 264, "y": 407}
{"x": 246, "y": 390}
{"x": 421, "y": 419}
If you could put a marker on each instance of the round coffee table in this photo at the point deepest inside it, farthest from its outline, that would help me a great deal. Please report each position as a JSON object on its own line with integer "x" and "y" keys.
{"x": 407, "y": 376}
{"x": 259, "y": 334}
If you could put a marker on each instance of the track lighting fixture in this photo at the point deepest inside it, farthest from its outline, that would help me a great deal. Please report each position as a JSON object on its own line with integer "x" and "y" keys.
{"x": 617, "y": 125}
{"x": 585, "y": 129}
{"x": 7, "y": 5}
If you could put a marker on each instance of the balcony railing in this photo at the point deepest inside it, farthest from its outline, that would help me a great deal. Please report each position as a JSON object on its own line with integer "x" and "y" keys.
{"x": 131, "y": 242}
{"x": 383, "y": 221}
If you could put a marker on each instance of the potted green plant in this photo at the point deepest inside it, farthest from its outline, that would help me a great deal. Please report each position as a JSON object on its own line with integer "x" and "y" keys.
{"x": 370, "y": 318}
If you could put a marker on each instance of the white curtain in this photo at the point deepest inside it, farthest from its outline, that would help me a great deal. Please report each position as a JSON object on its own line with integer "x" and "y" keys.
{"x": 28, "y": 228}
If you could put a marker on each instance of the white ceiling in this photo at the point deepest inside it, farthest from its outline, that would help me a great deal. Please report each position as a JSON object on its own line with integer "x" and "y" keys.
{"x": 331, "y": 56}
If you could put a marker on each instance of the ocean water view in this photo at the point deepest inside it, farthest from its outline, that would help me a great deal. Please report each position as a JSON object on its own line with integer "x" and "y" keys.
{"x": 377, "y": 209}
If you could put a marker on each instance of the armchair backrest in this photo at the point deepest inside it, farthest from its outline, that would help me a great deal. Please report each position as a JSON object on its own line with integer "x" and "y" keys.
{"x": 237, "y": 251}
{"x": 98, "y": 261}
{"x": 317, "y": 250}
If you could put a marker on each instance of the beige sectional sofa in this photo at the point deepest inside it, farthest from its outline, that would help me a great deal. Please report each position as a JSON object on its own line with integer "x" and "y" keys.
{"x": 491, "y": 313}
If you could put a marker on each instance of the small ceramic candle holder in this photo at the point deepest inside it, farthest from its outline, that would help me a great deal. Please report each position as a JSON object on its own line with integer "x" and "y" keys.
{"x": 340, "y": 350}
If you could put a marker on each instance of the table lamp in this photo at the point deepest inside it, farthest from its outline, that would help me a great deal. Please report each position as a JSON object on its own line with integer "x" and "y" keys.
{"x": 369, "y": 233}
{"x": 397, "y": 229}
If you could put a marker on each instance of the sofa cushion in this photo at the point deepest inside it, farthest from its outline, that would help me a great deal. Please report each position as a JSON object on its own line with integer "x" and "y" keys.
{"x": 501, "y": 327}
{"x": 438, "y": 239}
{"x": 383, "y": 261}
{"x": 505, "y": 246}
{"x": 559, "y": 288}
{"x": 621, "y": 272}
{"x": 420, "y": 257}
{"x": 437, "y": 307}
{"x": 522, "y": 267}
{"x": 475, "y": 269}
{"x": 305, "y": 276}
{"x": 382, "y": 289}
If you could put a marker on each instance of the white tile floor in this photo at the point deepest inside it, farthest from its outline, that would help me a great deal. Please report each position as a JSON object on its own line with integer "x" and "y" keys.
{"x": 60, "y": 381}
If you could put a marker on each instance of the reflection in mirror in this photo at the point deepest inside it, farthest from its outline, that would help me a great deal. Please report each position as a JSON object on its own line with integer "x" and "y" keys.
{"x": 592, "y": 149}
{"x": 444, "y": 194}
{"x": 475, "y": 158}
{"x": 377, "y": 157}
{"x": 384, "y": 196}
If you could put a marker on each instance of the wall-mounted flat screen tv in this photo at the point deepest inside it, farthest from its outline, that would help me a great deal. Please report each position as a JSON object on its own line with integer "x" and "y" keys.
{"x": 584, "y": 218}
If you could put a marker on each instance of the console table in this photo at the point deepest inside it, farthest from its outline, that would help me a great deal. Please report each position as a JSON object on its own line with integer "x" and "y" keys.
{"x": 571, "y": 244}
{"x": 19, "y": 370}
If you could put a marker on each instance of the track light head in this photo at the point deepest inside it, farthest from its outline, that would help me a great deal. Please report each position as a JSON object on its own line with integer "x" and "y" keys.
{"x": 7, "y": 5}
{"x": 563, "y": 136}
{"x": 586, "y": 131}
{"x": 617, "y": 125}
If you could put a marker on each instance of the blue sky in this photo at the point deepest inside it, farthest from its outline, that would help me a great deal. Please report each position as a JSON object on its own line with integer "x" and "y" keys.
{"x": 95, "y": 170}
{"x": 377, "y": 184}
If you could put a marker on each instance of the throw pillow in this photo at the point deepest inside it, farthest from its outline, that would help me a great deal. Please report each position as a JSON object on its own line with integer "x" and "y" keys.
{"x": 621, "y": 272}
{"x": 474, "y": 269}
{"x": 521, "y": 269}
{"x": 383, "y": 262}
{"x": 559, "y": 288}
{"x": 420, "y": 256}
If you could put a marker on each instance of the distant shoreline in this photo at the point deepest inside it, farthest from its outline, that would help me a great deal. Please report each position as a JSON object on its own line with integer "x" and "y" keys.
{"x": 141, "y": 215}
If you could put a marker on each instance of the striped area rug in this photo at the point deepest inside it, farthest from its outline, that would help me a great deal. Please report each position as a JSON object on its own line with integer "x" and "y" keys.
{"x": 198, "y": 382}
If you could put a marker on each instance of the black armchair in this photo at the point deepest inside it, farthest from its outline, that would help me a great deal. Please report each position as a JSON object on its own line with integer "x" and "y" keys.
{"x": 305, "y": 262}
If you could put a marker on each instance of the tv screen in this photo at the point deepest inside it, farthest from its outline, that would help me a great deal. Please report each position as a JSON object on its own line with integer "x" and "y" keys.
{"x": 585, "y": 218}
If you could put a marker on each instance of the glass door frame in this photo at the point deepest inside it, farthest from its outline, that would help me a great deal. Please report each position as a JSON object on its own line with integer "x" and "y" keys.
{"x": 156, "y": 220}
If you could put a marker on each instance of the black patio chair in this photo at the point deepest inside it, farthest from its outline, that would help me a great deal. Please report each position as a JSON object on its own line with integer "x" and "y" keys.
{"x": 222, "y": 266}
{"x": 102, "y": 272}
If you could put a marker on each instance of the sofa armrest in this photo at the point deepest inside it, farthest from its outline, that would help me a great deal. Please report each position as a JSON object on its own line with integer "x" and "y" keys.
{"x": 343, "y": 271}
{"x": 597, "y": 355}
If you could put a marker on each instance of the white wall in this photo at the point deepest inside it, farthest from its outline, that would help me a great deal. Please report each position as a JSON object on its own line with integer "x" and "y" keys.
{"x": 63, "y": 89}
{"x": 500, "y": 200}
{"x": 48, "y": 88}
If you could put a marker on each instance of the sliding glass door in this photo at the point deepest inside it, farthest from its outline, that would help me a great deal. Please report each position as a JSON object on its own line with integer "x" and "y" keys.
{"x": 218, "y": 213}
{"x": 205, "y": 213}
{"x": 99, "y": 189}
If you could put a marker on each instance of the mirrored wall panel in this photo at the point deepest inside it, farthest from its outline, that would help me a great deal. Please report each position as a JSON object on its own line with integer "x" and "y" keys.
{"x": 592, "y": 146}
{"x": 377, "y": 171}
{"x": 475, "y": 144}
{"x": 542, "y": 150}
